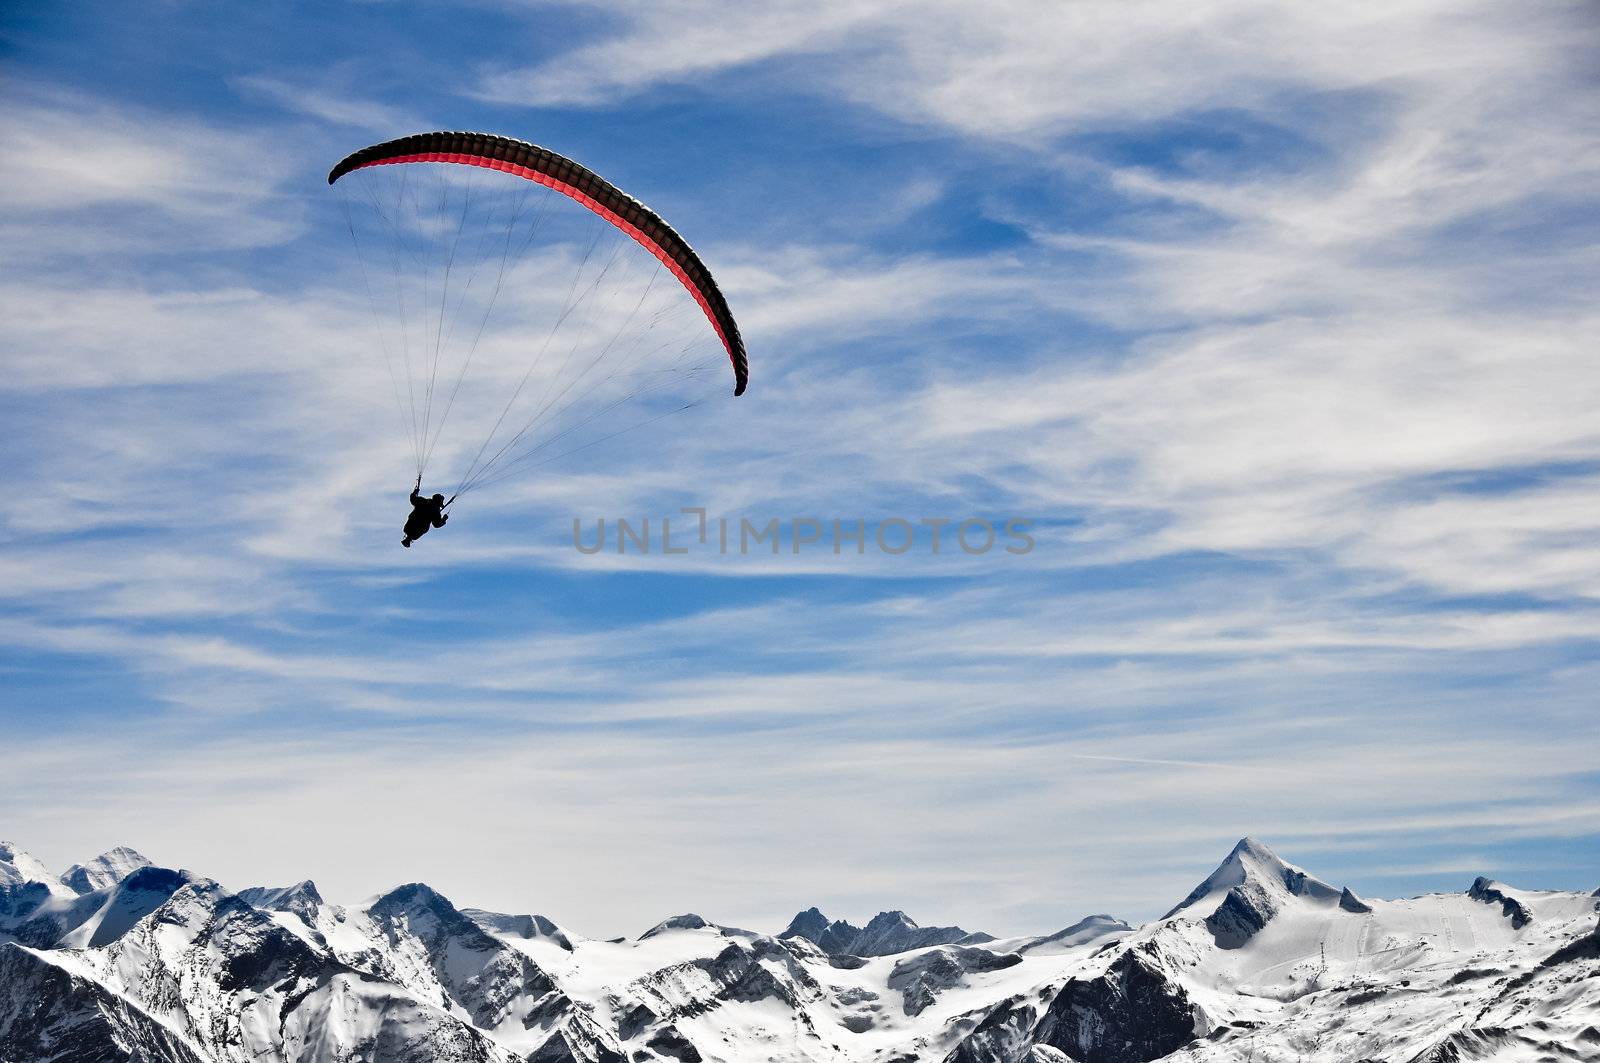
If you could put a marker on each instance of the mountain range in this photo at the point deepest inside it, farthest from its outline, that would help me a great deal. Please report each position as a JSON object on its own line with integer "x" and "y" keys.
{"x": 119, "y": 960}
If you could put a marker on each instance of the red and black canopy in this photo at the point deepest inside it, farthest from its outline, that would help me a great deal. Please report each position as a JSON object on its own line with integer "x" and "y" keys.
{"x": 555, "y": 171}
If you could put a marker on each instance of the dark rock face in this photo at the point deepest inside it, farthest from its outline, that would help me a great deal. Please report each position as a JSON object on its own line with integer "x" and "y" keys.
{"x": 1585, "y": 948}
{"x": 1351, "y": 903}
{"x": 301, "y": 899}
{"x": 423, "y": 913}
{"x": 18, "y": 899}
{"x": 892, "y": 932}
{"x": 1133, "y": 1013}
{"x": 886, "y": 934}
{"x": 1230, "y": 872}
{"x": 1004, "y": 1036}
{"x": 743, "y": 978}
{"x": 672, "y": 1044}
{"x": 77, "y": 879}
{"x": 834, "y": 938}
{"x": 401, "y": 1038}
{"x": 920, "y": 979}
{"x": 739, "y": 969}
{"x": 255, "y": 953}
{"x": 483, "y": 976}
{"x": 50, "y": 1014}
{"x": 1242, "y": 913}
{"x": 746, "y": 971}
{"x": 810, "y": 924}
{"x": 21, "y": 921}
{"x": 414, "y": 899}
{"x": 578, "y": 1039}
{"x": 1255, "y": 869}
{"x": 205, "y": 958}
{"x": 156, "y": 880}
{"x": 1513, "y": 909}
{"x": 1249, "y": 906}
{"x": 562, "y": 1049}
{"x": 1462, "y": 1045}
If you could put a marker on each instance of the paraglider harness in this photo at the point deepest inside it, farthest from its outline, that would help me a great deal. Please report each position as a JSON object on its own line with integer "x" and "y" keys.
{"x": 421, "y": 519}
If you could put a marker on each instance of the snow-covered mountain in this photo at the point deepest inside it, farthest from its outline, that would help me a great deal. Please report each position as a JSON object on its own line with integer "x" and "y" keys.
{"x": 107, "y": 869}
{"x": 120, "y": 960}
{"x": 887, "y": 933}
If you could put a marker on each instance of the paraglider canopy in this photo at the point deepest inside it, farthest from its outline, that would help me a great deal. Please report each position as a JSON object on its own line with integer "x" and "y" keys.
{"x": 545, "y": 167}
{"x": 536, "y": 292}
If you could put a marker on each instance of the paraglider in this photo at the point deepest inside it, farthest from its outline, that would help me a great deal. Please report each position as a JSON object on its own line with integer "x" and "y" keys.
{"x": 445, "y": 226}
{"x": 425, "y": 513}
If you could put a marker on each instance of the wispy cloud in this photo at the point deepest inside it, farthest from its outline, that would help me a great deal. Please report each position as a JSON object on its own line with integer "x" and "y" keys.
{"x": 83, "y": 176}
{"x": 335, "y": 103}
{"x": 1024, "y": 67}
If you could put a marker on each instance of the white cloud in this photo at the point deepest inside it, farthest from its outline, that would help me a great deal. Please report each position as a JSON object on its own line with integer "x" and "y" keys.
{"x": 335, "y": 104}
{"x": 82, "y": 176}
{"x": 1019, "y": 67}
{"x": 679, "y": 43}
{"x": 753, "y": 832}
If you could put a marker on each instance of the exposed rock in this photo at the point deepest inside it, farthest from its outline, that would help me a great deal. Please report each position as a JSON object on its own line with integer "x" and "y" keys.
{"x": 19, "y": 901}
{"x": 1585, "y": 948}
{"x": 1005, "y": 1035}
{"x": 810, "y": 924}
{"x": 1248, "y": 889}
{"x": 670, "y": 1043}
{"x": 301, "y": 899}
{"x": 1468, "y": 1044}
{"x": 1489, "y": 892}
{"x": 578, "y": 1039}
{"x": 1243, "y": 912}
{"x": 1351, "y": 903}
{"x": 921, "y": 978}
{"x": 47, "y": 1013}
{"x": 484, "y": 977}
{"x": 1133, "y": 1013}
{"x": 886, "y": 934}
{"x": 833, "y": 938}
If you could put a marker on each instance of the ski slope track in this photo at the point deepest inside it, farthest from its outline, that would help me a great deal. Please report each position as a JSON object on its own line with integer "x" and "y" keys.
{"x": 119, "y": 960}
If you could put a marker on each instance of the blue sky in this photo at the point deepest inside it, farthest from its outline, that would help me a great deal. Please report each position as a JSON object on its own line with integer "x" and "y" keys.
{"x": 1277, "y": 321}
